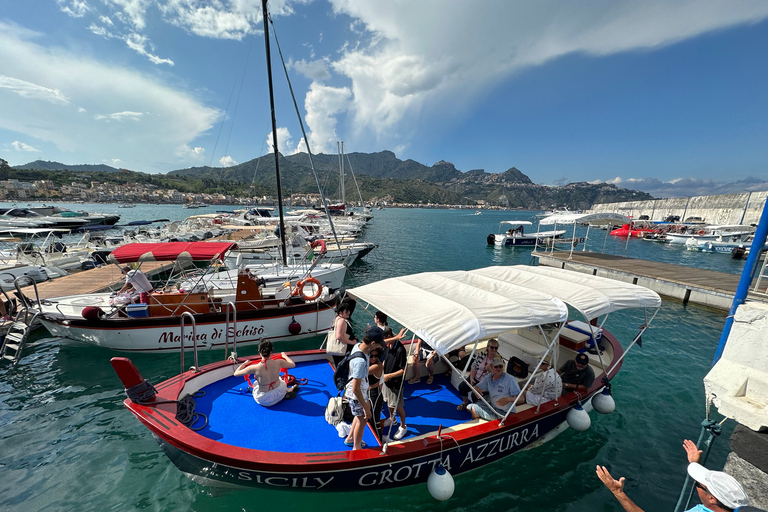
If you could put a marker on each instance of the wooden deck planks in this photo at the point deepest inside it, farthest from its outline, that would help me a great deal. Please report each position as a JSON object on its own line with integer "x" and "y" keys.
{"x": 91, "y": 281}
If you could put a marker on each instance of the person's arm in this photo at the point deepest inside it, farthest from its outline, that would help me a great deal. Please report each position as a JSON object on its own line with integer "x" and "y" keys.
{"x": 692, "y": 451}
{"x": 393, "y": 375}
{"x": 243, "y": 369}
{"x": 399, "y": 336}
{"x": 617, "y": 488}
{"x": 288, "y": 362}
{"x": 505, "y": 400}
{"x": 341, "y": 332}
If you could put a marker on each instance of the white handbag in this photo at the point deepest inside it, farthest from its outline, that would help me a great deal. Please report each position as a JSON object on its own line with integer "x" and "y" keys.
{"x": 333, "y": 346}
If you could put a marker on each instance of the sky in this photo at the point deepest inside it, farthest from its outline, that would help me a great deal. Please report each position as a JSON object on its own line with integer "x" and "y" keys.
{"x": 665, "y": 96}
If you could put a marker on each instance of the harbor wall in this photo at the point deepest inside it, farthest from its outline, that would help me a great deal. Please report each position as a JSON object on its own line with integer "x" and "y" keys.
{"x": 743, "y": 208}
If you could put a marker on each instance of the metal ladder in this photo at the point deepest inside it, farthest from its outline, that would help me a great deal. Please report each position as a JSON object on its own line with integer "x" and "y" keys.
{"x": 23, "y": 319}
{"x": 231, "y": 332}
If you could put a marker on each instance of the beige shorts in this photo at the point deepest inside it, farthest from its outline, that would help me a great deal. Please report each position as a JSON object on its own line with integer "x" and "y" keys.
{"x": 393, "y": 401}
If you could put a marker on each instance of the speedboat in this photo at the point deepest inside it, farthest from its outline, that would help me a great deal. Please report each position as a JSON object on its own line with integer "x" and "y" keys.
{"x": 708, "y": 233}
{"x": 204, "y": 419}
{"x": 516, "y": 235}
{"x": 637, "y": 229}
{"x": 246, "y": 313}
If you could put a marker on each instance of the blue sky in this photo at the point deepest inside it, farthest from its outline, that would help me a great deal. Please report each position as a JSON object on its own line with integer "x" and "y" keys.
{"x": 663, "y": 96}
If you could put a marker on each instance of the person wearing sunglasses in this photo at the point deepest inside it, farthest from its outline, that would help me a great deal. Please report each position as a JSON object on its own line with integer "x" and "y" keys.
{"x": 481, "y": 366}
{"x": 500, "y": 390}
{"x": 717, "y": 491}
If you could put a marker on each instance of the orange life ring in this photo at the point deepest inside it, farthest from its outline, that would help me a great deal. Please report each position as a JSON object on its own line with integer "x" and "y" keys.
{"x": 320, "y": 243}
{"x": 702, "y": 232}
{"x": 299, "y": 290}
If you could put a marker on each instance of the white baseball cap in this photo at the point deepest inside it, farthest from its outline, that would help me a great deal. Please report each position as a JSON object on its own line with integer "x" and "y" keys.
{"x": 721, "y": 485}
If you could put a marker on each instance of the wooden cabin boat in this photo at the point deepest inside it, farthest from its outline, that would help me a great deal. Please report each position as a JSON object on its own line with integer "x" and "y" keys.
{"x": 245, "y": 313}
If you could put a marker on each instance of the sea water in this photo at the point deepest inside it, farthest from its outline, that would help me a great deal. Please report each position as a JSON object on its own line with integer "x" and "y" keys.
{"x": 67, "y": 442}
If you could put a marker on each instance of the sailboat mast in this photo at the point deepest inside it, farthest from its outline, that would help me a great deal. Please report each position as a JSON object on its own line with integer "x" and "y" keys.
{"x": 281, "y": 227}
{"x": 343, "y": 190}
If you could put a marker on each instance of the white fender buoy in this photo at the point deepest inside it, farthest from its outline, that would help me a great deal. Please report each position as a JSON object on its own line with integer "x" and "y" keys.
{"x": 578, "y": 419}
{"x": 603, "y": 402}
{"x": 440, "y": 483}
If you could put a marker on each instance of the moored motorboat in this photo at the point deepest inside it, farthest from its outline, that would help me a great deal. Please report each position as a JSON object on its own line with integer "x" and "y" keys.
{"x": 516, "y": 235}
{"x": 525, "y": 308}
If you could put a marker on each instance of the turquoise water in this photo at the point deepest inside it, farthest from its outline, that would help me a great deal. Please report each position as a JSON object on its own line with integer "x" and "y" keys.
{"x": 67, "y": 443}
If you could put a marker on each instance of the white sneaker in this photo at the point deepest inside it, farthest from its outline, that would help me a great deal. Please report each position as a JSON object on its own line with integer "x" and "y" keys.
{"x": 388, "y": 422}
{"x": 400, "y": 433}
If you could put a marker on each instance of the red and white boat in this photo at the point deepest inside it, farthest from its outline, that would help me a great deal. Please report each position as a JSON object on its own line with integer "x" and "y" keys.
{"x": 635, "y": 229}
{"x": 235, "y": 442}
{"x": 245, "y": 314}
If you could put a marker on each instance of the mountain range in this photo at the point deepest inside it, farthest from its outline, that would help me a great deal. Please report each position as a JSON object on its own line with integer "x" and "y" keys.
{"x": 382, "y": 176}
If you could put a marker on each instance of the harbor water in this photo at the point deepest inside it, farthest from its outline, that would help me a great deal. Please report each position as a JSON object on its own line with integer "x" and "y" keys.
{"x": 67, "y": 442}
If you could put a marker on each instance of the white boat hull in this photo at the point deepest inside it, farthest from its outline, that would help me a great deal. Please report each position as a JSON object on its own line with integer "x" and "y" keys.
{"x": 164, "y": 335}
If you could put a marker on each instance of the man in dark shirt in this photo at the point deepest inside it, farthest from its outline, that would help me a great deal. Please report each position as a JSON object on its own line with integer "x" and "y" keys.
{"x": 576, "y": 374}
{"x": 394, "y": 369}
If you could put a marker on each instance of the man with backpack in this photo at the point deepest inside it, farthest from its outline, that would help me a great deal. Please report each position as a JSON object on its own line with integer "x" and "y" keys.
{"x": 356, "y": 390}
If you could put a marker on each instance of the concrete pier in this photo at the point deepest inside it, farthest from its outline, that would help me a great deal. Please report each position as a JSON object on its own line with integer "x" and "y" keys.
{"x": 688, "y": 284}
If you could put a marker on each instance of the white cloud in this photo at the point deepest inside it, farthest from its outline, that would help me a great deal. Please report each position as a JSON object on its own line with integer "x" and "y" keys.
{"x": 120, "y": 116}
{"x": 322, "y": 104}
{"x": 227, "y": 161}
{"x": 74, "y": 8}
{"x": 314, "y": 70}
{"x": 411, "y": 66}
{"x": 139, "y": 44}
{"x": 33, "y": 91}
{"x": 221, "y": 20}
{"x": 20, "y": 146}
{"x": 690, "y": 187}
{"x": 70, "y": 83}
{"x": 198, "y": 150}
{"x": 284, "y": 141}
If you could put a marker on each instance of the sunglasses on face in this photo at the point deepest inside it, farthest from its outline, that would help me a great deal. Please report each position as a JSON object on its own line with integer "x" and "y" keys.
{"x": 493, "y": 348}
{"x": 703, "y": 488}
{"x": 498, "y": 366}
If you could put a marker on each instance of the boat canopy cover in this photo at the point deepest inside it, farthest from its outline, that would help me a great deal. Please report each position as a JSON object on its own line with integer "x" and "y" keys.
{"x": 517, "y": 222}
{"x": 452, "y": 309}
{"x": 170, "y": 251}
{"x": 592, "y": 295}
{"x": 584, "y": 218}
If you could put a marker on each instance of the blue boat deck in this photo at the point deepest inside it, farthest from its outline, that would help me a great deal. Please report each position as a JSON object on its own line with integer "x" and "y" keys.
{"x": 299, "y": 426}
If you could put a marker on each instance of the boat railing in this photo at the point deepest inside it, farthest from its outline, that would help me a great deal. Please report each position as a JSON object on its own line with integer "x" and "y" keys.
{"x": 233, "y": 332}
{"x": 184, "y": 315}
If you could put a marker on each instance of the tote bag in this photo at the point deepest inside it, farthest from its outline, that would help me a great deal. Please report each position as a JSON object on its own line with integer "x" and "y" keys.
{"x": 333, "y": 346}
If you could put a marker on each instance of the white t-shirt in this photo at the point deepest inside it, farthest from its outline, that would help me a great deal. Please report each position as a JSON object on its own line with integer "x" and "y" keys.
{"x": 358, "y": 369}
{"x": 138, "y": 280}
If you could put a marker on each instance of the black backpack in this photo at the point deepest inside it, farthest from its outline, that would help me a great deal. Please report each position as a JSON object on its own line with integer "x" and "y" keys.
{"x": 341, "y": 375}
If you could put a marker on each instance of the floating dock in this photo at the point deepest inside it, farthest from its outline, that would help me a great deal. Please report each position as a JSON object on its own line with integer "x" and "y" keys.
{"x": 688, "y": 284}
{"x": 96, "y": 280}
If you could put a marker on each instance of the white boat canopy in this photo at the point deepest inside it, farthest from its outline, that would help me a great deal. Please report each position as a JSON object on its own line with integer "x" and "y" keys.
{"x": 516, "y": 222}
{"x": 586, "y": 218}
{"x": 452, "y": 309}
{"x": 593, "y": 296}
